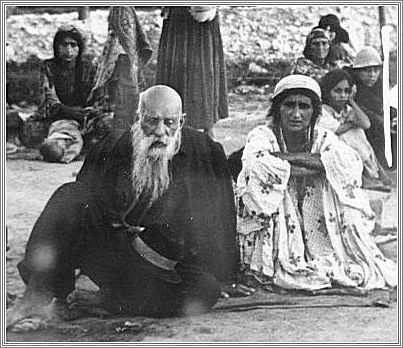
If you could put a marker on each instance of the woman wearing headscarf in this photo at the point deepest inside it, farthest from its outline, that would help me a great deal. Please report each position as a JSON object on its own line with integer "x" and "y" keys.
{"x": 304, "y": 221}
{"x": 316, "y": 61}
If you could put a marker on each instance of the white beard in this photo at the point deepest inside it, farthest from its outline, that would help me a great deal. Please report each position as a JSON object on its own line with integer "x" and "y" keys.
{"x": 150, "y": 170}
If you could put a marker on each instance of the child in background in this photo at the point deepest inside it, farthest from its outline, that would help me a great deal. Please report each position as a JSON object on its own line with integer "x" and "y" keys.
{"x": 367, "y": 71}
{"x": 344, "y": 117}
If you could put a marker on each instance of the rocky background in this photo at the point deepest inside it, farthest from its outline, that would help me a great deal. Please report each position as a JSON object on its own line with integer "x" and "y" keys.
{"x": 260, "y": 43}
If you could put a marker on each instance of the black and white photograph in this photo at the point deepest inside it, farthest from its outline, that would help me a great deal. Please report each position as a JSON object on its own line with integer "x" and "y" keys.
{"x": 182, "y": 173}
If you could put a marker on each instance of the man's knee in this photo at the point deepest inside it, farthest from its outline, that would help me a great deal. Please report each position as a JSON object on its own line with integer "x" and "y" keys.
{"x": 58, "y": 238}
{"x": 202, "y": 296}
{"x": 69, "y": 197}
{"x": 77, "y": 189}
{"x": 63, "y": 219}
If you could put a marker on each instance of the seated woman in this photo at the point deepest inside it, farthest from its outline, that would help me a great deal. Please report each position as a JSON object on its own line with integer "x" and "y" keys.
{"x": 304, "y": 221}
{"x": 343, "y": 116}
{"x": 66, "y": 81}
{"x": 316, "y": 61}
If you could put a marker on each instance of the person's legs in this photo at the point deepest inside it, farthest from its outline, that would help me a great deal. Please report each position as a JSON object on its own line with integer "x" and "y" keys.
{"x": 199, "y": 294}
{"x": 69, "y": 234}
{"x": 137, "y": 287}
{"x": 357, "y": 139}
{"x": 58, "y": 238}
{"x": 54, "y": 250}
{"x": 156, "y": 297}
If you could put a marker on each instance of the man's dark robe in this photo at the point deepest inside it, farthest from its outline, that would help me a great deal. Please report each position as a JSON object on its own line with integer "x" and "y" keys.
{"x": 196, "y": 214}
{"x": 192, "y": 226}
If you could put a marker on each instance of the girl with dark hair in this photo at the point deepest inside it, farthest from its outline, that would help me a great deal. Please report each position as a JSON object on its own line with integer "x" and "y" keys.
{"x": 345, "y": 118}
{"x": 304, "y": 222}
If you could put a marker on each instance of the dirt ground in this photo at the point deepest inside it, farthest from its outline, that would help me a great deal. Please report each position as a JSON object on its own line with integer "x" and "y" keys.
{"x": 29, "y": 184}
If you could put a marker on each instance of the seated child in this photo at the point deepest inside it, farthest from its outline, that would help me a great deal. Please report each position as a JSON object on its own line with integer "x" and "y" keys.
{"x": 343, "y": 116}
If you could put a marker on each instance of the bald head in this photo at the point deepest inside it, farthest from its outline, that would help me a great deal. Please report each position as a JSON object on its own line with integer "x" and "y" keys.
{"x": 160, "y": 111}
{"x": 161, "y": 99}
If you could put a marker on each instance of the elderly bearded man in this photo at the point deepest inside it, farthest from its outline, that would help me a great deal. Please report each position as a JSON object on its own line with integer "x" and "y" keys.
{"x": 150, "y": 219}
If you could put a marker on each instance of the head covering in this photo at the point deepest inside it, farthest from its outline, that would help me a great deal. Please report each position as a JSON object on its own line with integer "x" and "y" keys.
{"x": 71, "y": 32}
{"x": 331, "y": 22}
{"x": 124, "y": 31}
{"x": 368, "y": 56}
{"x": 316, "y": 33}
{"x": 297, "y": 82}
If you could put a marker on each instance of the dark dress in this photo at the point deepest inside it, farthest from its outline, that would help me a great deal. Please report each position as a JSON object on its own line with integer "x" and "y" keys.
{"x": 191, "y": 60}
{"x": 193, "y": 223}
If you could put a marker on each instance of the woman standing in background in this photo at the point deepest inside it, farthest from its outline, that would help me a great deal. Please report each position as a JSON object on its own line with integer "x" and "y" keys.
{"x": 191, "y": 60}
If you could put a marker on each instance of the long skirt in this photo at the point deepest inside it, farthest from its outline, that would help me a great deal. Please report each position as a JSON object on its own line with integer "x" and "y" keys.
{"x": 191, "y": 60}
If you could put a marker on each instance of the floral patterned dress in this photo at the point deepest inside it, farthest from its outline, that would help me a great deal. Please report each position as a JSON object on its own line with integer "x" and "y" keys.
{"x": 310, "y": 238}
{"x": 304, "y": 66}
